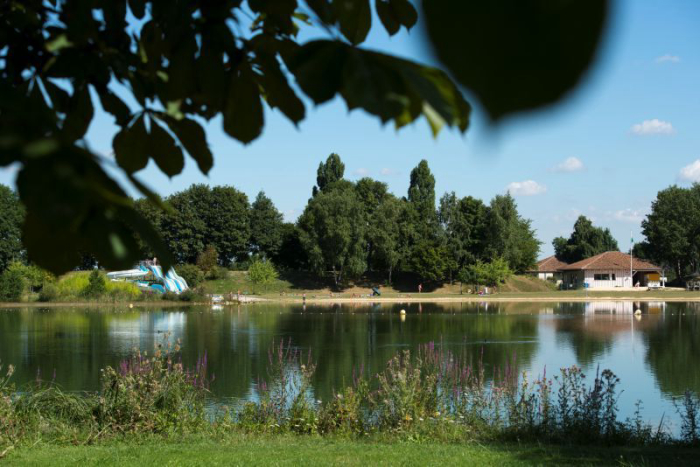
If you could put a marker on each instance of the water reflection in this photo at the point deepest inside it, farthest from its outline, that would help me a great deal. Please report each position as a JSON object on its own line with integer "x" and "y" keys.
{"x": 660, "y": 344}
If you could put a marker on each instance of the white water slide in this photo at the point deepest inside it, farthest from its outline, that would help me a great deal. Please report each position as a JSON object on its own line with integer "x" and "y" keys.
{"x": 172, "y": 282}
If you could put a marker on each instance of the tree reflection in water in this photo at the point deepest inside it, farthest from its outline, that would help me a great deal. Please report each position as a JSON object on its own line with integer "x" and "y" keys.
{"x": 75, "y": 343}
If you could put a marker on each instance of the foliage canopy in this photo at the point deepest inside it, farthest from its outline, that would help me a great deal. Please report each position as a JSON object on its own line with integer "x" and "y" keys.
{"x": 161, "y": 68}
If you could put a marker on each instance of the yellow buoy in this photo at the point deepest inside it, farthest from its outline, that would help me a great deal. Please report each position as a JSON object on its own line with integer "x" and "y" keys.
{"x": 131, "y": 305}
{"x": 638, "y": 312}
{"x": 402, "y": 312}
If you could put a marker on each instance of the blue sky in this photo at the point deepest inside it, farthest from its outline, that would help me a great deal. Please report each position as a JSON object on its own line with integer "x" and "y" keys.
{"x": 629, "y": 131}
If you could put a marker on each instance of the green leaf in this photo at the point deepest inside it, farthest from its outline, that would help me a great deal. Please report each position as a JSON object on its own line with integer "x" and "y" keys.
{"x": 130, "y": 147}
{"x": 163, "y": 150}
{"x": 516, "y": 55}
{"x": 60, "y": 99}
{"x": 138, "y": 8}
{"x": 152, "y": 196}
{"x": 79, "y": 114}
{"x": 278, "y": 92}
{"x": 318, "y": 68}
{"x": 386, "y": 15}
{"x": 193, "y": 138}
{"x": 243, "y": 113}
{"x": 323, "y": 10}
{"x": 355, "y": 18}
{"x": 115, "y": 106}
{"x": 73, "y": 207}
{"x": 405, "y": 13}
{"x": 211, "y": 79}
{"x": 59, "y": 42}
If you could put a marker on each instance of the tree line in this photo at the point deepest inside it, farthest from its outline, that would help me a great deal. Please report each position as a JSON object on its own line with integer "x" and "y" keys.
{"x": 346, "y": 229}
{"x": 349, "y": 228}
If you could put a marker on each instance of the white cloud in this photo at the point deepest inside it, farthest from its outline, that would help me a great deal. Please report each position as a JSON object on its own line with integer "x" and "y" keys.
{"x": 691, "y": 172}
{"x": 526, "y": 188}
{"x": 386, "y": 171}
{"x": 361, "y": 172}
{"x": 629, "y": 215}
{"x": 571, "y": 164}
{"x": 668, "y": 58}
{"x": 653, "y": 127}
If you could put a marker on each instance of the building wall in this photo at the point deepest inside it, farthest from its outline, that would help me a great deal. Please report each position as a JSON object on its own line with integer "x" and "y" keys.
{"x": 578, "y": 278}
{"x": 547, "y": 275}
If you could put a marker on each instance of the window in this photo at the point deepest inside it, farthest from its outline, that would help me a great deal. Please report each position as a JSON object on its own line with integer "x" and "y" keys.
{"x": 602, "y": 277}
{"x": 613, "y": 277}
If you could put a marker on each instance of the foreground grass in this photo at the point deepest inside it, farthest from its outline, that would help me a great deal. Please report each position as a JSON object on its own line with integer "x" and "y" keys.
{"x": 296, "y": 450}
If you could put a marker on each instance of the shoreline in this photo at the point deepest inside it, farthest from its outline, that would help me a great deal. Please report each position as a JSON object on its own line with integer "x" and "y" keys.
{"x": 357, "y": 300}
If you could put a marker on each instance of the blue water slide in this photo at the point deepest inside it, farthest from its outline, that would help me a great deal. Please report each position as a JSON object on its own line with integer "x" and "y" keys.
{"x": 170, "y": 285}
{"x": 182, "y": 283}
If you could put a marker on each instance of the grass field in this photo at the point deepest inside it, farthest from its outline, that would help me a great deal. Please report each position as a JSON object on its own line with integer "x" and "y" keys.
{"x": 292, "y": 287}
{"x": 295, "y": 450}
{"x": 299, "y": 283}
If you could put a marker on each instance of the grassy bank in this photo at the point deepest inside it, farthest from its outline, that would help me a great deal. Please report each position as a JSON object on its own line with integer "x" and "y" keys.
{"x": 297, "y": 283}
{"x": 292, "y": 286}
{"x": 420, "y": 405}
{"x": 242, "y": 449}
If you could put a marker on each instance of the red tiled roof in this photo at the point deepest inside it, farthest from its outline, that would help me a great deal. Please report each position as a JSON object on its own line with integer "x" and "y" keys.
{"x": 611, "y": 260}
{"x": 550, "y": 264}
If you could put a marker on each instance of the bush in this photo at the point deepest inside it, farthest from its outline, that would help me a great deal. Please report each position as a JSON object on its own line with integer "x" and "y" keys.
{"x": 34, "y": 276}
{"x": 11, "y": 285}
{"x": 154, "y": 395}
{"x": 48, "y": 293}
{"x": 96, "y": 286}
{"x": 191, "y": 273}
{"x": 217, "y": 272}
{"x": 208, "y": 259}
{"x": 122, "y": 290}
{"x": 262, "y": 273}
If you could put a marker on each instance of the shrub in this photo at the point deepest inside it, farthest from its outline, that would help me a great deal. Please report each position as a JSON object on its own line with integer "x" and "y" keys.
{"x": 191, "y": 273}
{"x": 262, "y": 273}
{"x": 96, "y": 286}
{"x": 122, "y": 290}
{"x": 208, "y": 259}
{"x": 72, "y": 285}
{"x": 218, "y": 272}
{"x": 11, "y": 285}
{"x": 187, "y": 296}
{"x": 34, "y": 276}
{"x": 48, "y": 293}
{"x": 154, "y": 394}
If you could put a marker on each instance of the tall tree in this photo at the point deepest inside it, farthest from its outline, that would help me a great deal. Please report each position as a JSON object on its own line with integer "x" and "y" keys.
{"x": 509, "y": 235}
{"x": 224, "y": 214}
{"x": 265, "y": 227}
{"x": 291, "y": 254}
{"x": 585, "y": 241}
{"x": 421, "y": 191}
{"x": 463, "y": 224}
{"x": 383, "y": 212}
{"x": 672, "y": 228}
{"x": 11, "y": 218}
{"x": 329, "y": 172}
{"x": 333, "y": 233}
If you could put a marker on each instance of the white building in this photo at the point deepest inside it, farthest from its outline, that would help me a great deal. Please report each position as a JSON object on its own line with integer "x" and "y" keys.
{"x": 611, "y": 270}
{"x": 549, "y": 268}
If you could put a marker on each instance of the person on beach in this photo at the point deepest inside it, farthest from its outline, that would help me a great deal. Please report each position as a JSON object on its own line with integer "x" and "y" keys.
{"x": 420, "y": 288}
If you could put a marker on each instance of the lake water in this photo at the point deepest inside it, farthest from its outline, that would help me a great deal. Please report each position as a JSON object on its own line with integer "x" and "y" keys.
{"x": 656, "y": 354}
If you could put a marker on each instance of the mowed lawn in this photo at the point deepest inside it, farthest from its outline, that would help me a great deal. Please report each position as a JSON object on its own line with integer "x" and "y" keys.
{"x": 291, "y": 450}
